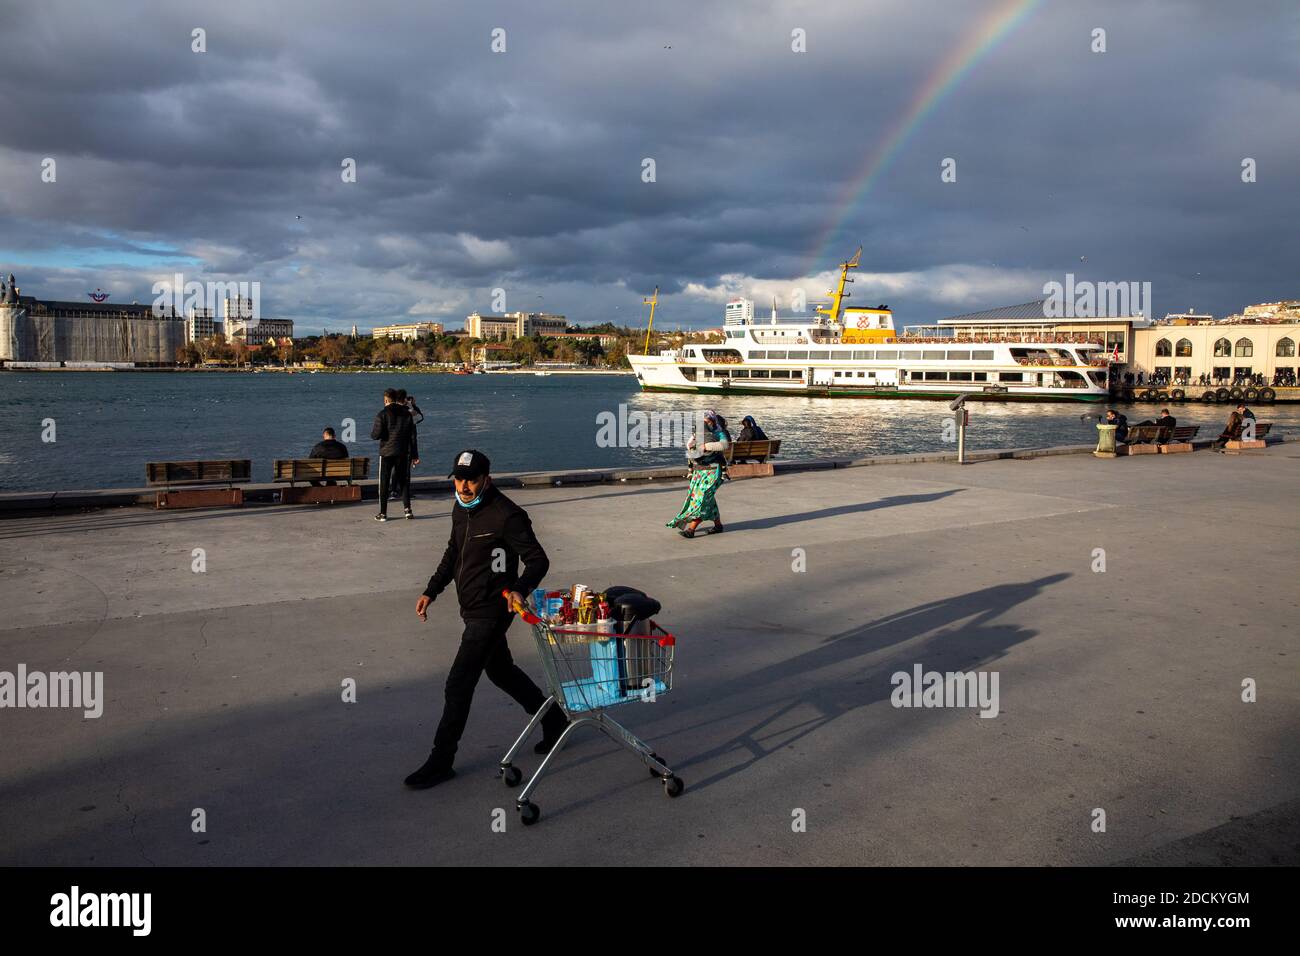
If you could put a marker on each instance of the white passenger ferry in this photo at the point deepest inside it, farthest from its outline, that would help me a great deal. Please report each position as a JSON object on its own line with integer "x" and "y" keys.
{"x": 856, "y": 353}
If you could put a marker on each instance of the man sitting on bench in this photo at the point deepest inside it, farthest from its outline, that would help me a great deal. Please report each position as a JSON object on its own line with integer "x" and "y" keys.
{"x": 327, "y": 447}
{"x": 1120, "y": 422}
{"x": 1164, "y": 421}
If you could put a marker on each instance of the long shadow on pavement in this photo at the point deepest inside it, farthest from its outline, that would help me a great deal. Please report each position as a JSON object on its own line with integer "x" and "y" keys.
{"x": 953, "y": 646}
{"x": 776, "y": 520}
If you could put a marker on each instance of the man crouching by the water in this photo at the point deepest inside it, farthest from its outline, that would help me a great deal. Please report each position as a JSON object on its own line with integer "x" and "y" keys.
{"x": 489, "y": 535}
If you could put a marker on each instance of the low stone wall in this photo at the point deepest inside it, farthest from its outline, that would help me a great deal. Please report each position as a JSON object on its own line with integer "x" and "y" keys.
{"x": 50, "y": 501}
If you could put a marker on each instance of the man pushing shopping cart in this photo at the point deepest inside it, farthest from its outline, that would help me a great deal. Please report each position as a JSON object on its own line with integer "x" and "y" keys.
{"x": 490, "y": 534}
{"x": 594, "y": 661}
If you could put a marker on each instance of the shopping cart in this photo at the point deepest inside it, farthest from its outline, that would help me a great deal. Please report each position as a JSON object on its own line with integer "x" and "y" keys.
{"x": 587, "y": 672}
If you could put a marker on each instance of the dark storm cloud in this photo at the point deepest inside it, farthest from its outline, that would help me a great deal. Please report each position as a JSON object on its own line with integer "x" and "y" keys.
{"x": 522, "y": 170}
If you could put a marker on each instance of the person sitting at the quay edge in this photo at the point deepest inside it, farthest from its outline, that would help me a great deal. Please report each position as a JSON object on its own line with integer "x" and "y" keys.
{"x": 327, "y": 447}
{"x": 1121, "y": 421}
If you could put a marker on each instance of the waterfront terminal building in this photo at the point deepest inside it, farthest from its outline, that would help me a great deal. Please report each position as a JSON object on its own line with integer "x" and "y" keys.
{"x": 1261, "y": 340}
{"x": 41, "y": 332}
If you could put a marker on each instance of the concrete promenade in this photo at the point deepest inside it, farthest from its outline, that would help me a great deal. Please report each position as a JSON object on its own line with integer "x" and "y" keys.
{"x": 1118, "y": 690}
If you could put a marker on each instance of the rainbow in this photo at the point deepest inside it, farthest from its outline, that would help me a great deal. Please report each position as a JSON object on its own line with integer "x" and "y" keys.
{"x": 1005, "y": 16}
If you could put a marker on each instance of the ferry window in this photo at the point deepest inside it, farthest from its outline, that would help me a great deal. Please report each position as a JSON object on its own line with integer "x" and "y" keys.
{"x": 758, "y": 373}
{"x": 1285, "y": 348}
{"x": 780, "y": 373}
{"x": 932, "y": 354}
{"x": 757, "y": 355}
{"x": 886, "y": 354}
{"x": 1184, "y": 348}
{"x": 871, "y": 375}
{"x": 1164, "y": 348}
{"x": 1011, "y": 376}
{"x": 1162, "y": 371}
{"x": 910, "y": 355}
{"x": 816, "y": 355}
{"x": 936, "y": 376}
{"x": 959, "y": 376}
{"x": 798, "y": 353}
{"x": 917, "y": 376}
{"x": 740, "y": 373}
{"x": 774, "y": 354}
{"x": 982, "y": 355}
{"x": 981, "y": 376}
{"x": 1222, "y": 348}
{"x": 862, "y": 375}
{"x": 1245, "y": 348}
{"x": 1222, "y": 371}
{"x": 959, "y": 355}
{"x": 1182, "y": 371}
{"x": 860, "y": 354}
{"x": 1113, "y": 339}
{"x": 1241, "y": 371}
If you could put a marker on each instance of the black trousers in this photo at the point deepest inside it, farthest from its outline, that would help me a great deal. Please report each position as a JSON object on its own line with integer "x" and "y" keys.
{"x": 390, "y": 467}
{"x": 483, "y": 649}
{"x": 401, "y": 478}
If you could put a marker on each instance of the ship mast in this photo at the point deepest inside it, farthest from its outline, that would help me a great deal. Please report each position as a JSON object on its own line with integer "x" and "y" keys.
{"x": 652, "y": 302}
{"x": 838, "y": 295}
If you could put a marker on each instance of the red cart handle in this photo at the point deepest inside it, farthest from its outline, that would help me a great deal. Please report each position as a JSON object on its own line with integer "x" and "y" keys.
{"x": 521, "y": 609}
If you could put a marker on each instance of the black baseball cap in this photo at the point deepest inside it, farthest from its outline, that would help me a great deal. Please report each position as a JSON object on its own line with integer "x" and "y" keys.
{"x": 471, "y": 463}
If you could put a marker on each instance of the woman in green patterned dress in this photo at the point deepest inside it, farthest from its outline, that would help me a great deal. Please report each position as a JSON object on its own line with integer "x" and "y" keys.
{"x": 707, "y": 451}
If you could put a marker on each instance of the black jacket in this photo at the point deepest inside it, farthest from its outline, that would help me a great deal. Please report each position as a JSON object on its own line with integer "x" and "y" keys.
{"x": 1121, "y": 423}
{"x": 329, "y": 448}
{"x": 395, "y": 432}
{"x": 495, "y": 523}
{"x": 751, "y": 433}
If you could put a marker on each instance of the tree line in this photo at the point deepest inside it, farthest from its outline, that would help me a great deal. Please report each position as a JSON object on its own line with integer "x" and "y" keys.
{"x": 345, "y": 350}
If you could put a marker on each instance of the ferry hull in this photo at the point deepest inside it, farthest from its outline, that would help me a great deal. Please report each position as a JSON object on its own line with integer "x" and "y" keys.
{"x": 895, "y": 394}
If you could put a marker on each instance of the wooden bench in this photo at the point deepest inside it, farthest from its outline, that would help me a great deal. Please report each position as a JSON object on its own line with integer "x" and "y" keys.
{"x": 1261, "y": 432}
{"x": 1181, "y": 440}
{"x": 1144, "y": 439}
{"x": 312, "y": 470}
{"x": 762, "y": 450}
{"x": 179, "y": 478}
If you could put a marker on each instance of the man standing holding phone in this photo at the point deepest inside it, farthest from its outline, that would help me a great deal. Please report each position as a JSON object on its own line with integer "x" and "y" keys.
{"x": 490, "y": 534}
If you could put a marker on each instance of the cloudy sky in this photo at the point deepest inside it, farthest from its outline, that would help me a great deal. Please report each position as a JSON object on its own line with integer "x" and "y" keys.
{"x": 523, "y": 169}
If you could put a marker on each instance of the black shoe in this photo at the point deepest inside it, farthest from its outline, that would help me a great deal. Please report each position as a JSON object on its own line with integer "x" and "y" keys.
{"x": 435, "y": 770}
{"x": 545, "y": 745}
{"x": 410, "y": 513}
{"x": 686, "y": 532}
{"x": 551, "y": 734}
{"x": 381, "y": 517}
